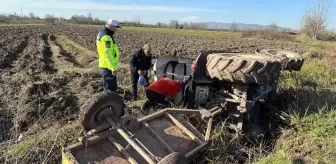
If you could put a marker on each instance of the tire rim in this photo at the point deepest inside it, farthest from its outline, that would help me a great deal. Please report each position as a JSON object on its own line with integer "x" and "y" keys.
{"x": 99, "y": 117}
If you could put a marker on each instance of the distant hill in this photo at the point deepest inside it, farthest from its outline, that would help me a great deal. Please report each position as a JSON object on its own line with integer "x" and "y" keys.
{"x": 242, "y": 26}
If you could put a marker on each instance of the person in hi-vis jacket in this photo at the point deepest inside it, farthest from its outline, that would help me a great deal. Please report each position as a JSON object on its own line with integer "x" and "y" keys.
{"x": 108, "y": 52}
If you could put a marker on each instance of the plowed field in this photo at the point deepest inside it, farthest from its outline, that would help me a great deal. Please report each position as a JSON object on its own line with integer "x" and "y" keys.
{"x": 47, "y": 72}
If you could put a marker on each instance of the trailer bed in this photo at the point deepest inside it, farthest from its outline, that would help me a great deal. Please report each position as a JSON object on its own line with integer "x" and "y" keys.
{"x": 100, "y": 148}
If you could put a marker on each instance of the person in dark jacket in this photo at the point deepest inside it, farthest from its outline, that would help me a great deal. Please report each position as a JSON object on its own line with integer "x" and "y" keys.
{"x": 140, "y": 63}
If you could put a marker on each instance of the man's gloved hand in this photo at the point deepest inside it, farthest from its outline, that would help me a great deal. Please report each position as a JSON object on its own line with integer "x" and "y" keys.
{"x": 140, "y": 72}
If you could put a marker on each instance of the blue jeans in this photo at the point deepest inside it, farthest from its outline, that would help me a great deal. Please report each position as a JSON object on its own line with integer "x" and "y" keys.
{"x": 109, "y": 81}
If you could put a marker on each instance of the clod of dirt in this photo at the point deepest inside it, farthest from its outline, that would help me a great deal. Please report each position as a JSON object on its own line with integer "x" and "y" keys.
{"x": 5, "y": 125}
{"x": 45, "y": 110}
{"x": 40, "y": 89}
{"x": 9, "y": 53}
{"x": 51, "y": 37}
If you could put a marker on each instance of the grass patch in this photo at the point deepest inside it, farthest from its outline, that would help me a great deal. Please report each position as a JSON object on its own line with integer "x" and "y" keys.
{"x": 314, "y": 73}
{"x": 177, "y": 31}
{"x": 217, "y": 151}
{"x": 317, "y": 48}
{"x": 309, "y": 90}
{"x": 309, "y": 98}
{"x": 65, "y": 41}
{"x": 44, "y": 145}
{"x": 266, "y": 34}
{"x": 136, "y": 104}
{"x": 312, "y": 138}
{"x": 329, "y": 45}
{"x": 70, "y": 57}
{"x": 320, "y": 125}
{"x": 76, "y": 58}
{"x": 185, "y": 32}
{"x": 280, "y": 157}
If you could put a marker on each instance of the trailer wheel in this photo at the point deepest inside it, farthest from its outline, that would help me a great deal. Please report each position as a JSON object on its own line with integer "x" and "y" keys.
{"x": 174, "y": 158}
{"x": 99, "y": 106}
{"x": 289, "y": 60}
{"x": 243, "y": 68}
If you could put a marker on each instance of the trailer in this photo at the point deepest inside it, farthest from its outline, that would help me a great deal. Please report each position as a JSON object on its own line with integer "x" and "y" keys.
{"x": 163, "y": 137}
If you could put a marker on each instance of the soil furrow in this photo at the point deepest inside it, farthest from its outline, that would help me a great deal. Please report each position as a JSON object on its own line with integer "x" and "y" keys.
{"x": 10, "y": 53}
{"x": 27, "y": 60}
{"x": 32, "y": 61}
{"x": 47, "y": 55}
{"x": 62, "y": 57}
{"x": 77, "y": 54}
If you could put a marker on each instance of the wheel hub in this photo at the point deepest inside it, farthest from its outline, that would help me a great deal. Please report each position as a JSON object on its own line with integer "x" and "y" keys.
{"x": 103, "y": 113}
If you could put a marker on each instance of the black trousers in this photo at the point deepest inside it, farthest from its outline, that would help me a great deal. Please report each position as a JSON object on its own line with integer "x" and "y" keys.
{"x": 135, "y": 78}
{"x": 109, "y": 81}
{"x": 155, "y": 97}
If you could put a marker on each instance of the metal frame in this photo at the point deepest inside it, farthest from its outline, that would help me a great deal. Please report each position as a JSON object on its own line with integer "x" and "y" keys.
{"x": 96, "y": 135}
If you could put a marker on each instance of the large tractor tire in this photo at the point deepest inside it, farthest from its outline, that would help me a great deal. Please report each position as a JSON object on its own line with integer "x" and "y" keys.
{"x": 174, "y": 158}
{"x": 99, "y": 106}
{"x": 243, "y": 68}
{"x": 290, "y": 60}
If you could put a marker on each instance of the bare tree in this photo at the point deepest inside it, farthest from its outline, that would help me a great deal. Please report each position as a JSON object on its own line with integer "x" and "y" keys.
{"x": 193, "y": 25}
{"x": 136, "y": 20}
{"x": 90, "y": 18}
{"x": 234, "y": 26}
{"x": 174, "y": 24}
{"x": 159, "y": 24}
{"x": 273, "y": 27}
{"x": 315, "y": 19}
{"x": 3, "y": 18}
{"x": 32, "y": 15}
{"x": 50, "y": 18}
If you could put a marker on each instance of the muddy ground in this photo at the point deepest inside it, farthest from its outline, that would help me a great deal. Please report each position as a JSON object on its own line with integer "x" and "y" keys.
{"x": 45, "y": 80}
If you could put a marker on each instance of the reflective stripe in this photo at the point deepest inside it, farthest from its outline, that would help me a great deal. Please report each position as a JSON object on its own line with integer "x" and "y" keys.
{"x": 108, "y": 53}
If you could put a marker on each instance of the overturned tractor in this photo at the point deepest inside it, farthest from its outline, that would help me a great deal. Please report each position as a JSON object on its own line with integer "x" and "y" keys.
{"x": 243, "y": 85}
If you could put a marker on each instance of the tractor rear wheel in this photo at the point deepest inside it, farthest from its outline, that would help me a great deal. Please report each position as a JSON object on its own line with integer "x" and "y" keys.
{"x": 243, "y": 68}
{"x": 290, "y": 60}
{"x": 98, "y": 107}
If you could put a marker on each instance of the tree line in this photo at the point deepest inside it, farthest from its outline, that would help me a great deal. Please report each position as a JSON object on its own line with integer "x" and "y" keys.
{"x": 89, "y": 19}
{"x": 50, "y": 19}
